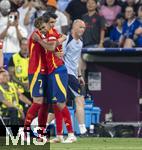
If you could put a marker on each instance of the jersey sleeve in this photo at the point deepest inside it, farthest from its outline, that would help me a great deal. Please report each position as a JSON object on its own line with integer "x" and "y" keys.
{"x": 51, "y": 37}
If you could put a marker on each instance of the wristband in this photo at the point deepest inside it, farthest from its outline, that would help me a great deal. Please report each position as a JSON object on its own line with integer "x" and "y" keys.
{"x": 79, "y": 76}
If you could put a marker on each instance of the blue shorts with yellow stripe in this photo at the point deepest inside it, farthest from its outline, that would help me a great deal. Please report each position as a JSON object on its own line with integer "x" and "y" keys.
{"x": 57, "y": 85}
{"x": 38, "y": 85}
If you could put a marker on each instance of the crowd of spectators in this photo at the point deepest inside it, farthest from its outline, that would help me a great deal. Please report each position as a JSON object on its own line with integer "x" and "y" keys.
{"x": 109, "y": 23}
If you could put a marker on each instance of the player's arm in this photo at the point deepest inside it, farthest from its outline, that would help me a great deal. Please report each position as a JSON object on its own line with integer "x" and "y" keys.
{"x": 1, "y": 58}
{"x": 49, "y": 45}
{"x": 24, "y": 99}
{"x": 80, "y": 77}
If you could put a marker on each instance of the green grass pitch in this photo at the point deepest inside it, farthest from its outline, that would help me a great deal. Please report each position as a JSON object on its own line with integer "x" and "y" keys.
{"x": 85, "y": 144}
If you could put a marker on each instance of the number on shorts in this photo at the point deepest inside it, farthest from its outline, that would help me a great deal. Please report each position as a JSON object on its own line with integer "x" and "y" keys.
{"x": 40, "y": 81}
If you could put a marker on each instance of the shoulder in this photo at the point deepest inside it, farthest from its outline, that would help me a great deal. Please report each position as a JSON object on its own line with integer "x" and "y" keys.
{"x": 85, "y": 16}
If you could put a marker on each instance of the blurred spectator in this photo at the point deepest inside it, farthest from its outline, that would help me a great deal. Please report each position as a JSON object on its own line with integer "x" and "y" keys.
{"x": 62, "y": 4}
{"x": 29, "y": 11}
{"x": 138, "y": 32}
{"x": 26, "y": 13}
{"x": 139, "y": 2}
{"x": 117, "y": 30}
{"x": 76, "y": 9}
{"x": 115, "y": 33}
{"x": 132, "y": 3}
{"x": 110, "y": 10}
{"x": 11, "y": 33}
{"x": 61, "y": 22}
{"x": 139, "y": 17}
{"x": 18, "y": 67}
{"x": 129, "y": 28}
{"x": 15, "y": 4}
{"x": 4, "y": 8}
{"x": 9, "y": 98}
{"x": 95, "y": 26}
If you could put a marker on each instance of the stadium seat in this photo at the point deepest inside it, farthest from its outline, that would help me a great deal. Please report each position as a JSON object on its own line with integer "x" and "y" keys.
{"x": 92, "y": 116}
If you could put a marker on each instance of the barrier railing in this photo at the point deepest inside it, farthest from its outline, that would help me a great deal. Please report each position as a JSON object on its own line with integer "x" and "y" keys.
{"x": 91, "y": 49}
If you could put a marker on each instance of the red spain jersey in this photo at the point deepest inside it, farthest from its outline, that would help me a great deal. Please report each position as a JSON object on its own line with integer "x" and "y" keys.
{"x": 37, "y": 59}
{"x": 53, "y": 61}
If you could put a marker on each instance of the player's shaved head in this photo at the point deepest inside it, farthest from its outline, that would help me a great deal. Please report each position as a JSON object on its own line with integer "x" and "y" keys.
{"x": 78, "y": 22}
{"x": 78, "y": 27}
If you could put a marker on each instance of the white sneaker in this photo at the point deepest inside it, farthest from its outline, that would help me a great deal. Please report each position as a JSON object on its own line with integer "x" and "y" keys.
{"x": 70, "y": 139}
{"x": 58, "y": 139}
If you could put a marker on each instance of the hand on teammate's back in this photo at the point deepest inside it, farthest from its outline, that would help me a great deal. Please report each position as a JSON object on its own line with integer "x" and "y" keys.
{"x": 59, "y": 54}
{"x": 62, "y": 38}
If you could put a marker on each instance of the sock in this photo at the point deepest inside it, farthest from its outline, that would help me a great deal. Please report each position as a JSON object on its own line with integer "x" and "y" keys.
{"x": 31, "y": 114}
{"x": 67, "y": 119}
{"x": 59, "y": 119}
{"x": 42, "y": 115}
{"x": 82, "y": 128}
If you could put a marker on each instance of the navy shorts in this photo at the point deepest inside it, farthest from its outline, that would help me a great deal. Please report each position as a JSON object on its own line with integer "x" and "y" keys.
{"x": 57, "y": 85}
{"x": 74, "y": 88}
{"x": 38, "y": 85}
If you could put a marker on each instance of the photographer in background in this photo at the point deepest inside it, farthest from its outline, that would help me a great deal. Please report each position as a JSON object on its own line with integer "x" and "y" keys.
{"x": 11, "y": 33}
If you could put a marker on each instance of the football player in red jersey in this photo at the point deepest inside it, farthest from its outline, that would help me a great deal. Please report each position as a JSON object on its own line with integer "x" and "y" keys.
{"x": 37, "y": 73}
{"x": 57, "y": 80}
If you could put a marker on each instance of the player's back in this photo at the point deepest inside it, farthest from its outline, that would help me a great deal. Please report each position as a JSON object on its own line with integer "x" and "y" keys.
{"x": 37, "y": 59}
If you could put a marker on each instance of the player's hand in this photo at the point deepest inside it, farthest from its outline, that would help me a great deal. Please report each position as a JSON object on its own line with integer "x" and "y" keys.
{"x": 81, "y": 80}
{"x": 59, "y": 54}
{"x": 62, "y": 39}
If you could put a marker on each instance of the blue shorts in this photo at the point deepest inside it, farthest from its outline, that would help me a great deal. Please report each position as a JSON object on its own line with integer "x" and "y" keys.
{"x": 74, "y": 88}
{"x": 38, "y": 85}
{"x": 57, "y": 85}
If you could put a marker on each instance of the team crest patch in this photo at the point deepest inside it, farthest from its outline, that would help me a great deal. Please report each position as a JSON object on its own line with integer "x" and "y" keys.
{"x": 54, "y": 98}
{"x": 40, "y": 91}
{"x": 79, "y": 91}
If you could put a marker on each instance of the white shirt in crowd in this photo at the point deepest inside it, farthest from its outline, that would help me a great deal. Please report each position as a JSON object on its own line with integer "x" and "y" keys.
{"x": 11, "y": 42}
{"x": 60, "y": 21}
{"x": 22, "y": 14}
{"x": 62, "y": 4}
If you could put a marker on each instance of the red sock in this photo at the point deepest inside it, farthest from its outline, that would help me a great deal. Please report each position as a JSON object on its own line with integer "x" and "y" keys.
{"x": 59, "y": 119}
{"x": 67, "y": 119}
{"x": 42, "y": 115}
{"x": 31, "y": 113}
